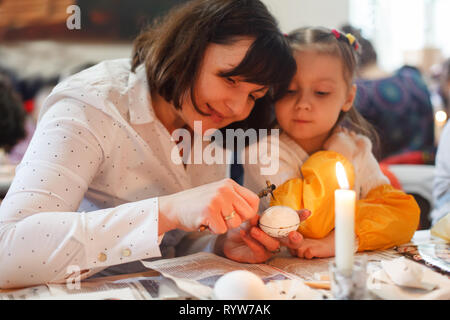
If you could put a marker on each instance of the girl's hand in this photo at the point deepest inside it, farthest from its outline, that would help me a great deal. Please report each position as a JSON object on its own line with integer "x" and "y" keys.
{"x": 249, "y": 244}
{"x": 220, "y": 206}
{"x": 315, "y": 248}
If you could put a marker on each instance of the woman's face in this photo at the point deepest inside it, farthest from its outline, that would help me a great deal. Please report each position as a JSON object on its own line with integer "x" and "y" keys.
{"x": 224, "y": 100}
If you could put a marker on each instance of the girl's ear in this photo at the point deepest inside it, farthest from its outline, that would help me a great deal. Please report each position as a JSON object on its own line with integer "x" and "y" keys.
{"x": 350, "y": 98}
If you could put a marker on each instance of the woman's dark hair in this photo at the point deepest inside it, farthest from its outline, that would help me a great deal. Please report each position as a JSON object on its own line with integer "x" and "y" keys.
{"x": 172, "y": 49}
{"x": 323, "y": 40}
{"x": 12, "y": 115}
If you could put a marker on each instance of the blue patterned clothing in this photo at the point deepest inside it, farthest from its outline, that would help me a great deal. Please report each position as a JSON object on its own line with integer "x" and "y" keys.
{"x": 400, "y": 108}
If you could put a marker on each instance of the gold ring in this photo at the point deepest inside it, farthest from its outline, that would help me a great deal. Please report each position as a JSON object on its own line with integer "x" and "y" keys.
{"x": 230, "y": 216}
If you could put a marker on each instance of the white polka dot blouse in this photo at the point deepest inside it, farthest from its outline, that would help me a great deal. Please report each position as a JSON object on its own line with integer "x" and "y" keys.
{"x": 84, "y": 196}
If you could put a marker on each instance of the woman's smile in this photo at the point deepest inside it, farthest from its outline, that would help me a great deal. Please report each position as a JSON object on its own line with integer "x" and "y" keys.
{"x": 216, "y": 116}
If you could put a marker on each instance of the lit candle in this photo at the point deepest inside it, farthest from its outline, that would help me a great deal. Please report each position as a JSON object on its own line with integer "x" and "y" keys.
{"x": 440, "y": 118}
{"x": 344, "y": 209}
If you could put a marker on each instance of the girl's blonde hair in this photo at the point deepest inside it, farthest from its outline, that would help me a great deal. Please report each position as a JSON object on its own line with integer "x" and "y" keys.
{"x": 335, "y": 43}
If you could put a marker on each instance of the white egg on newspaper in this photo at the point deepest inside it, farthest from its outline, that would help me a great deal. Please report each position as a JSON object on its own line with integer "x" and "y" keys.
{"x": 278, "y": 221}
{"x": 240, "y": 285}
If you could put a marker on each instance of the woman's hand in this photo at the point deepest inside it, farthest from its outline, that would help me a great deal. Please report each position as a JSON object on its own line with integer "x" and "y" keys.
{"x": 315, "y": 248}
{"x": 249, "y": 244}
{"x": 220, "y": 206}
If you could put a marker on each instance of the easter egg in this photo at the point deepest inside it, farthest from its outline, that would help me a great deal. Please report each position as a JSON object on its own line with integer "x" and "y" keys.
{"x": 278, "y": 221}
{"x": 240, "y": 285}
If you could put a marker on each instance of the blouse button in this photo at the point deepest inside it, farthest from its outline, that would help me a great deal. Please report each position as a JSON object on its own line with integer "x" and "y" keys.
{"x": 102, "y": 257}
{"x": 126, "y": 252}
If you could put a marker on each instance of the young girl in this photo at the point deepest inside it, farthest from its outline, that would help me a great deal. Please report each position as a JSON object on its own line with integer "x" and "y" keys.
{"x": 319, "y": 126}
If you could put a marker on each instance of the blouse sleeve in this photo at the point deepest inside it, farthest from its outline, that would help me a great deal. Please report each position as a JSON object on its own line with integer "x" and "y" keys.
{"x": 385, "y": 218}
{"x": 42, "y": 237}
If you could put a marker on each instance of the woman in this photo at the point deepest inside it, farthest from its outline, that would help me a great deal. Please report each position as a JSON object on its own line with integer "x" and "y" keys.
{"x": 98, "y": 185}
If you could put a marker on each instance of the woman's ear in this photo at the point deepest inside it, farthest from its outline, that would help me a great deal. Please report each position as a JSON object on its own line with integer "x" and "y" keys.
{"x": 350, "y": 98}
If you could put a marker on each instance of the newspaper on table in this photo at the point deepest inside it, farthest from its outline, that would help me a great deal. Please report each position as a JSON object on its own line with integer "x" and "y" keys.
{"x": 434, "y": 251}
{"x": 317, "y": 269}
{"x": 188, "y": 277}
{"x": 197, "y": 274}
{"x": 132, "y": 288}
{"x": 430, "y": 251}
{"x": 194, "y": 276}
{"x": 87, "y": 291}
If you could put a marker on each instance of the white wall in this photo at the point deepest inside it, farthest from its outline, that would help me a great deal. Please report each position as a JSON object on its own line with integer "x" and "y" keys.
{"x": 400, "y": 29}
{"x": 292, "y": 14}
{"x": 50, "y": 58}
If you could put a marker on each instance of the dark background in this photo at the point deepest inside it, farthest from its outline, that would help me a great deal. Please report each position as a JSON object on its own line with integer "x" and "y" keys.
{"x": 100, "y": 19}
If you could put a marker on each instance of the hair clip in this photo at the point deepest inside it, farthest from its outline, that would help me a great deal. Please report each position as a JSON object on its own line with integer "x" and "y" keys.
{"x": 351, "y": 40}
{"x": 336, "y": 33}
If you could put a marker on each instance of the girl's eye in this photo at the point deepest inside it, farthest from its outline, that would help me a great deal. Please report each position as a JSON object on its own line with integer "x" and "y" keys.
{"x": 291, "y": 91}
{"x": 322, "y": 93}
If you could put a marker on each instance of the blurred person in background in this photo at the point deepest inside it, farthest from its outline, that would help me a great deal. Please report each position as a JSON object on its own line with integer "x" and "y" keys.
{"x": 444, "y": 85}
{"x": 27, "y": 90}
{"x": 441, "y": 183}
{"x": 32, "y": 92}
{"x": 398, "y": 104}
{"x": 12, "y": 116}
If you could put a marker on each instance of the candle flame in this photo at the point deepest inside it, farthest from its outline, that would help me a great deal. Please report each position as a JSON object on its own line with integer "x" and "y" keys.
{"x": 440, "y": 116}
{"x": 341, "y": 176}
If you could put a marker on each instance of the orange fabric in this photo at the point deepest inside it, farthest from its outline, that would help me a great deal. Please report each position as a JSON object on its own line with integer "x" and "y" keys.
{"x": 315, "y": 192}
{"x": 385, "y": 218}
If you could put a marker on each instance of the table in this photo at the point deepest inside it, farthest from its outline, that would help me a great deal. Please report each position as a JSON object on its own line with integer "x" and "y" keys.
{"x": 144, "y": 285}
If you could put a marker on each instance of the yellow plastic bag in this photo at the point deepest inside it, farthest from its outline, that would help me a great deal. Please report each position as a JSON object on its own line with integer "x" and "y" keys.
{"x": 315, "y": 192}
{"x": 385, "y": 218}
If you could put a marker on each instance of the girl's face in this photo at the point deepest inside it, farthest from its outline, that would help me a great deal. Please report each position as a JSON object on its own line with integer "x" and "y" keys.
{"x": 317, "y": 94}
{"x": 225, "y": 100}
